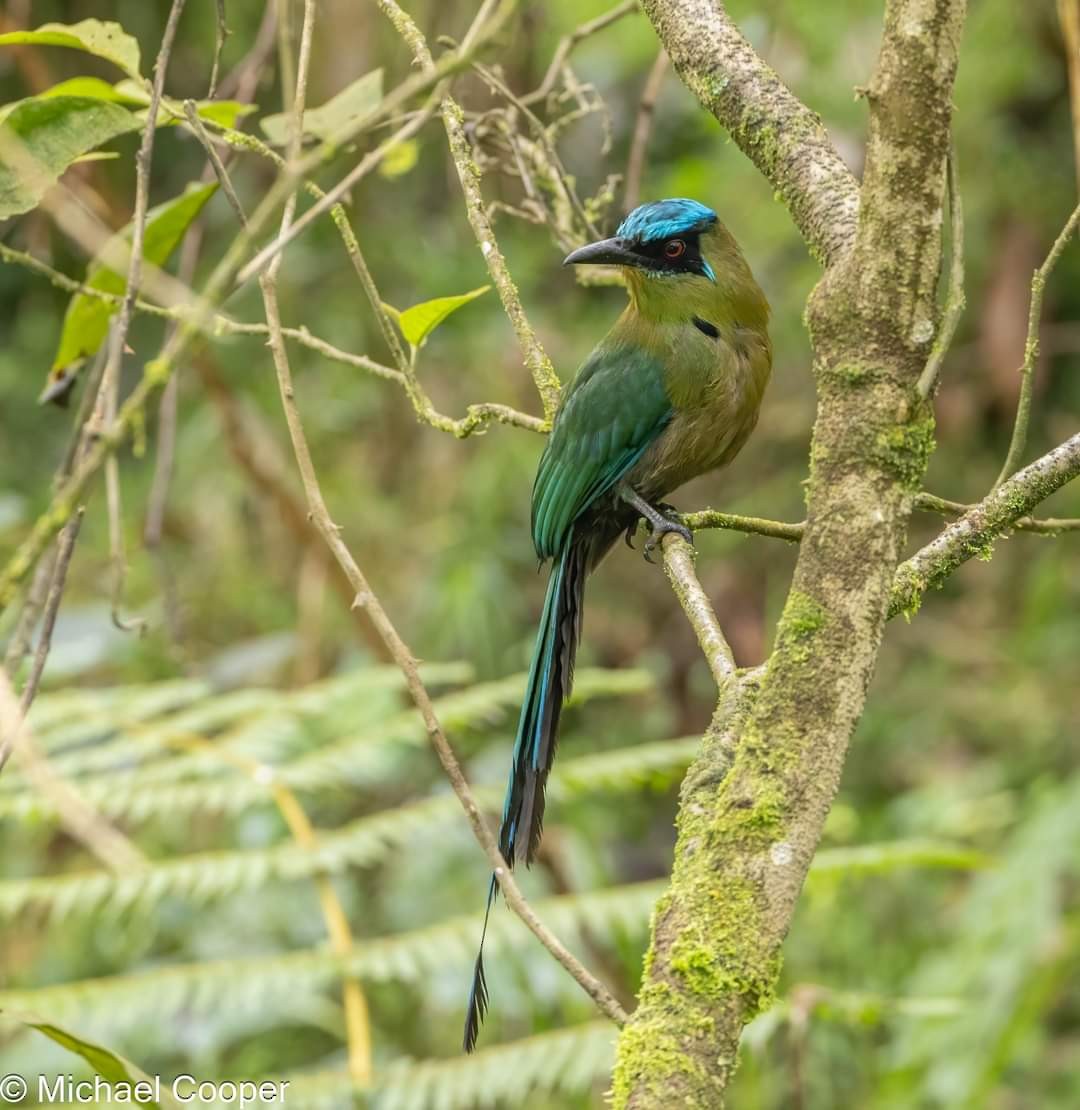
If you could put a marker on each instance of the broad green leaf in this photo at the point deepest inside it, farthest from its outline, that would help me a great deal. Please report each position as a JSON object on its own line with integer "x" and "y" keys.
{"x": 86, "y": 322}
{"x": 88, "y": 86}
{"x": 400, "y": 158}
{"x": 93, "y": 36}
{"x": 114, "y": 1069}
{"x": 419, "y": 321}
{"x": 92, "y": 87}
{"x": 223, "y": 112}
{"x": 354, "y": 100}
{"x": 41, "y": 137}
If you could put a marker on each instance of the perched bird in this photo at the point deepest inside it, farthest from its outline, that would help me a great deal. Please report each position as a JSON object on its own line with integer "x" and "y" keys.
{"x": 672, "y": 391}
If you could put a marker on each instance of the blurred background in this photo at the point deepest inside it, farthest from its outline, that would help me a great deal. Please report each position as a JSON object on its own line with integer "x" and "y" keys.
{"x": 933, "y": 960}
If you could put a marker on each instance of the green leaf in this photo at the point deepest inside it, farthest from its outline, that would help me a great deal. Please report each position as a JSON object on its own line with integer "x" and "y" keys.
{"x": 114, "y": 1069}
{"x": 97, "y": 156}
{"x": 400, "y": 159}
{"x": 419, "y": 321}
{"x": 223, "y": 112}
{"x": 93, "y": 36}
{"x": 92, "y": 87}
{"x": 88, "y": 86}
{"x": 354, "y": 100}
{"x": 41, "y": 137}
{"x": 86, "y": 322}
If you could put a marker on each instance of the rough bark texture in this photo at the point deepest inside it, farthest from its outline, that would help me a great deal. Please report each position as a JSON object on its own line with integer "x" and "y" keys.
{"x": 755, "y": 801}
{"x": 773, "y": 128}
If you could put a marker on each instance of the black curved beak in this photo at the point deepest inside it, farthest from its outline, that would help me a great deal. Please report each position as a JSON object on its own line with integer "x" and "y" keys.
{"x": 607, "y": 252}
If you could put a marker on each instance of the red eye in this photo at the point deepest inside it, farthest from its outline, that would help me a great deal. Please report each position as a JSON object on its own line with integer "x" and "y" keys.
{"x": 673, "y": 248}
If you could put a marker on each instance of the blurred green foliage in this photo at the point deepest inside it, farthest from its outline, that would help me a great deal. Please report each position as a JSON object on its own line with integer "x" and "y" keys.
{"x": 905, "y": 984}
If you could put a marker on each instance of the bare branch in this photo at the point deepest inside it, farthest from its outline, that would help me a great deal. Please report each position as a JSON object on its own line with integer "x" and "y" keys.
{"x": 568, "y": 42}
{"x": 536, "y": 360}
{"x": 398, "y": 649}
{"x": 955, "y": 299}
{"x": 776, "y": 529}
{"x": 1040, "y": 526}
{"x": 221, "y": 33}
{"x": 332, "y": 198}
{"x": 646, "y": 113}
{"x": 775, "y": 130}
{"x": 679, "y": 566}
{"x": 1031, "y": 348}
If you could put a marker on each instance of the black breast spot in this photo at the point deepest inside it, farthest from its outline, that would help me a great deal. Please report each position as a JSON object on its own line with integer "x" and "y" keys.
{"x": 706, "y": 328}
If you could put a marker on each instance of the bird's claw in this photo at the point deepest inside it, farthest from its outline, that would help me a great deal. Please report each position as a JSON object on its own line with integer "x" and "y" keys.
{"x": 628, "y": 535}
{"x": 657, "y": 532}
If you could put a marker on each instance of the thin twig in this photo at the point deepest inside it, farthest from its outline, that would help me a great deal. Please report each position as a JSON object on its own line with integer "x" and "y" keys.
{"x": 23, "y": 632}
{"x": 84, "y": 824}
{"x": 536, "y": 360}
{"x": 975, "y": 532}
{"x": 357, "y": 1021}
{"x": 157, "y": 372}
{"x": 118, "y": 335}
{"x": 1031, "y": 349}
{"x": 1043, "y": 526}
{"x": 399, "y": 651}
{"x": 711, "y": 518}
{"x": 568, "y": 42}
{"x": 477, "y": 416}
{"x": 792, "y": 532}
{"x": 65, "y": 548}
{"x": 543, "y": 137}
{"x": 220, "y": 325}
{"x": 679, "y": 566}
{"x": 956, "y": 299}
{"x": 241, "y": 83}
{"x": 46, "y": 588}
{"x": 333, "y": 197}
{"x": 646, "y": 114}
{"x": 221, "y": 33}
{"x": 192, "y": 113}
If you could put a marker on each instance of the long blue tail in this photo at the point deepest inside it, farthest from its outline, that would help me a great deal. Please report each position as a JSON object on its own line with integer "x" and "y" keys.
{"x": 551, "y": 675}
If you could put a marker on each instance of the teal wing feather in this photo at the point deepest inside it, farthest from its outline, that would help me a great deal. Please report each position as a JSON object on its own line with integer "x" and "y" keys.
{"x": 613, "y": 410}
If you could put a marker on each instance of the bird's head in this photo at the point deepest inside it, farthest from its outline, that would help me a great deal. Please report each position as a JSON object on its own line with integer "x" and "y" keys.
{"x": 665, "y": 240}
{"x": 677, "y": 258}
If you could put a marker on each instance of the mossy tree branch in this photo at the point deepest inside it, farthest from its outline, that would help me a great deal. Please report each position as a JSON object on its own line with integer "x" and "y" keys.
{"x": 974, "y": 533}
{"x": 772, "y": 127}
{"x": 754, "y": 804}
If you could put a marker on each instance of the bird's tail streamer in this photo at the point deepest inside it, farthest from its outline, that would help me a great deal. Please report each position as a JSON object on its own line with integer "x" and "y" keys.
{"x": 551, "y": 675}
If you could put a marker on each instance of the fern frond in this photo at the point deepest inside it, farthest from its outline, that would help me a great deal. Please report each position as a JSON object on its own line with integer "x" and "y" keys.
{"x": 893, "y": 855}
{"x": 204, "y": 876}
{"x": 117, "y": 738}
{"x": 270, "y": 983}
{"x": 564, "y": 1062}
{"x": 357, "y": 759}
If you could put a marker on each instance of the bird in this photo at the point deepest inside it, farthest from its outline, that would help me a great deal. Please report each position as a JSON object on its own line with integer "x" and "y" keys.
{"x": 671, "y": 392}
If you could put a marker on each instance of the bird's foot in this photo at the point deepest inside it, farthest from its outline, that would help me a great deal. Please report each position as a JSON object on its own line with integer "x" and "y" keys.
{"x": 658, "y": 530}
{"x": 660, "y": 519}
